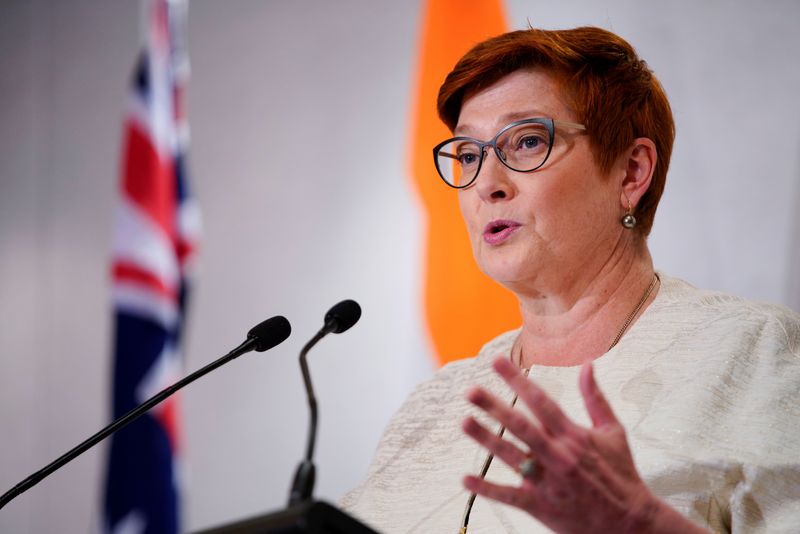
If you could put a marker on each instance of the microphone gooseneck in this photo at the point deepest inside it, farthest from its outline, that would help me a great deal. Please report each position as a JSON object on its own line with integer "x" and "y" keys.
{"x": 261, "y": 337}
{"x": 339, "y": 318}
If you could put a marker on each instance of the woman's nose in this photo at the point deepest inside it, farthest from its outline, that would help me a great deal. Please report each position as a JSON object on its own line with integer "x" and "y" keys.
{"x": 493, "y": 183}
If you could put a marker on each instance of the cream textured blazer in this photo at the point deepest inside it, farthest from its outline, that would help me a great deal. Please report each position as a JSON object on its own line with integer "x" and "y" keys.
{"x": 707, "y": 386}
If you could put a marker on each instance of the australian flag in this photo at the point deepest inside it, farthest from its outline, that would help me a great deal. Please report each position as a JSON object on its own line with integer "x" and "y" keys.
{"x": 156, "y": 232}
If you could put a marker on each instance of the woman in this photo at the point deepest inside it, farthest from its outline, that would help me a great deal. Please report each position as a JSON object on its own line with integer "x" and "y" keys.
{"x": 560, "y": 152}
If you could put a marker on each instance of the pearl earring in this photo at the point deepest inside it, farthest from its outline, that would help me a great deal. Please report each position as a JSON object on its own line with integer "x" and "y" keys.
{"x": 628, "y": 220}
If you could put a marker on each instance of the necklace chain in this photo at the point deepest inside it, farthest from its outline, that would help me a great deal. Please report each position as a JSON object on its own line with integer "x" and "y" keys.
{"x": 526, "y": 371}
{"x": 638, "y": 307}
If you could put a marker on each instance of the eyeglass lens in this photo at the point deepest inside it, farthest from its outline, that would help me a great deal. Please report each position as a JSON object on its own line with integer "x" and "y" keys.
{"x": 522, "y": 148}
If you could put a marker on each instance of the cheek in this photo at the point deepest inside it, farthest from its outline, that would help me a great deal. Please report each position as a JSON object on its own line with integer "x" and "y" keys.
{"x": 468, "y": 207}
{"x": 588, "y": 208}
{"x": 578, "y": 200}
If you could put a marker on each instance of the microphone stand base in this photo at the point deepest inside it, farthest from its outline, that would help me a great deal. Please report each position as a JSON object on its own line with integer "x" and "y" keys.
{"x": 312, "y": 517}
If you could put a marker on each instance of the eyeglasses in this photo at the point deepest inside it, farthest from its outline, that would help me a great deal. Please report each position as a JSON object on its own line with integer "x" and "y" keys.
{"x": 522, "y": 146}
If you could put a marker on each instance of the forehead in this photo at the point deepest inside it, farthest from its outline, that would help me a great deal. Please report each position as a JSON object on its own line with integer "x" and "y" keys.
{"x": 520, "y": 95}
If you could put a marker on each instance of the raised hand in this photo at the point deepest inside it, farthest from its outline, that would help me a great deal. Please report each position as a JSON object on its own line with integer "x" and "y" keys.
{"x": 574, "y": 479}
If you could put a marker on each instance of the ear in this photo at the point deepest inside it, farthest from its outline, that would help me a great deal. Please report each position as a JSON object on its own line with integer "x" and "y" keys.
{"x": 639, "y": 164}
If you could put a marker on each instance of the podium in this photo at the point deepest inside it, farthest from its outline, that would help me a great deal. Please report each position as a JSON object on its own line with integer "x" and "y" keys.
{"x": 312, "y": 517}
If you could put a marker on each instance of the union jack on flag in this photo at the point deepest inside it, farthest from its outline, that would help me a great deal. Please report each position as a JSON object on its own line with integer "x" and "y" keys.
{"x": 156, "y": 230}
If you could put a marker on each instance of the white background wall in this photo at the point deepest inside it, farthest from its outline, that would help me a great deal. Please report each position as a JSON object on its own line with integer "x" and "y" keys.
{"x": 299, "y": 115}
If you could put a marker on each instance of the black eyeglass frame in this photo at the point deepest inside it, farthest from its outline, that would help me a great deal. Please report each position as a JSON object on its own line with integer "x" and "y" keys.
{"x": 548, "y": 123}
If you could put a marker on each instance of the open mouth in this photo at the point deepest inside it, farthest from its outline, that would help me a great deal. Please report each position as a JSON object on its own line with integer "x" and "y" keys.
{"x": 499, "y": 230}
{"x": 497, "y": 226}
{"x": 496, "y": 229}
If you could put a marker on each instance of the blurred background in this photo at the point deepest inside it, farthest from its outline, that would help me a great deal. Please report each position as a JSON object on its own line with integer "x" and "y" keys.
{"x": 300, "y": 117}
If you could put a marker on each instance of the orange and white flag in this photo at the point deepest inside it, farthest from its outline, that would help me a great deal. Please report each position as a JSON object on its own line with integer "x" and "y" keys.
{"x": 463, "y": 308}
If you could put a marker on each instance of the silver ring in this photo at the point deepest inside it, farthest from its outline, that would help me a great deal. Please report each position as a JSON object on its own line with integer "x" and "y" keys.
{"x": 528, "y": 467}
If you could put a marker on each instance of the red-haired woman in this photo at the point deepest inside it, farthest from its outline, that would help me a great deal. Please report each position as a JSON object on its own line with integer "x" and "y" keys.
{"x": 560, "y": 149}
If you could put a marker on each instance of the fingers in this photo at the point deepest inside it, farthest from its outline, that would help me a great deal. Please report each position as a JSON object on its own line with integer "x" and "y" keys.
{"x": 501, "y": 448}
{"x": 543, "y": 407}
{"x": 596, "y": 404}
{"x": 566, "y": 466}
{"x": 515, "y": 422}
{"x": 556, "y": 440}
{"x": 505, "y": 494}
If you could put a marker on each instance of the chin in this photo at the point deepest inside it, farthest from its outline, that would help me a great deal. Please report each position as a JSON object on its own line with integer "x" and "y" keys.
{"x": 505, "y": 273}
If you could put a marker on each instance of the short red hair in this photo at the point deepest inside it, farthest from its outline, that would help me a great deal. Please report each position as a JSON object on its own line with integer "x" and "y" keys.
{"x": 609, "y": 88}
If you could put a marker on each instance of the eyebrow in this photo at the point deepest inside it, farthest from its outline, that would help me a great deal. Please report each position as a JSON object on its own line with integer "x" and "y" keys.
{"x": 505, "y": 118}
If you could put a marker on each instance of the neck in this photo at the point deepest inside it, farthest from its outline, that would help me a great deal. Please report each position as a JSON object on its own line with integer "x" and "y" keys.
{"x": 578, "y": 319}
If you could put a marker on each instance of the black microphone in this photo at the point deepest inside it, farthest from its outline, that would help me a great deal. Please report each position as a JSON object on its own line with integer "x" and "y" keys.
{"x": 342, "y": 316}
{"x": 261, "y": 337}
{"x": 338, "y": 319}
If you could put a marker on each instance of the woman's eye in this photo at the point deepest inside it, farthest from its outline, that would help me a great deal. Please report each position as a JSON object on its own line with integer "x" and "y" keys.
{"x": 530, "y": 142}
{"x": 467, "y": 158}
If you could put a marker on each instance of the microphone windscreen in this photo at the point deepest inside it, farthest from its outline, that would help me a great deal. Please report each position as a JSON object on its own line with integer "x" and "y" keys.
{"x": 269, "y": 333}
{"x": 343, "y": 315}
